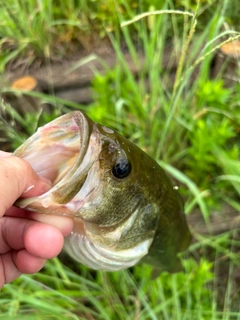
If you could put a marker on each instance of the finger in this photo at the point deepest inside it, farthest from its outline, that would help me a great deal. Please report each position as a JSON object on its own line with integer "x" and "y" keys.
{"x": 4, "y": 154}
{"x": 41, "y": 240}
{"x": 64, "y": 224}
{"x": 18, "y": 178}
{"x": 18, "y": 213}
{"x": 27, "y": 263}
{"x": 8, "y": 269}
{"x": 13, "y": 264}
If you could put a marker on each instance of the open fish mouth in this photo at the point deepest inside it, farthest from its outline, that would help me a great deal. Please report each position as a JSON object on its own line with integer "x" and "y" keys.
{"x": 62, "y": 151}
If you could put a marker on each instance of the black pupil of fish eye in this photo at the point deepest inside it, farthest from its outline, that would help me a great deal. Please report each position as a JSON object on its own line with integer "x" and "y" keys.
{"x": 121, "y": 169}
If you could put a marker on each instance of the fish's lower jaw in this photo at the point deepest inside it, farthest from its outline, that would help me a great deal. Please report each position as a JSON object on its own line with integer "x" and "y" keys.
{"x": 81, "y": 249}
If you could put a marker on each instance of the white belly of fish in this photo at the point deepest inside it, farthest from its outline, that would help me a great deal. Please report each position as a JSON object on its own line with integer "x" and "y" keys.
{"x": 81, "y": 249}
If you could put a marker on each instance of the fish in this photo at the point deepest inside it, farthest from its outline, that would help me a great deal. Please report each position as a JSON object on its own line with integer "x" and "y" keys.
{"x": 125, "y": 207}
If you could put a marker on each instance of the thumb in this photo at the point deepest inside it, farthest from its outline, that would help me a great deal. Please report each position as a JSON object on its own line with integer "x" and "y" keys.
{"x": 17, "y": 178}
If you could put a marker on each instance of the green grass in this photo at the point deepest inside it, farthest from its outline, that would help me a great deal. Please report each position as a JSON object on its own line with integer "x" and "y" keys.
{"x": 119, "y": 295}
{"x": 185, "y": 119}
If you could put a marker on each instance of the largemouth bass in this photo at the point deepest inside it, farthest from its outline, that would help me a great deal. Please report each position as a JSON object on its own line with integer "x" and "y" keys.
{"x": 125, "y": 208}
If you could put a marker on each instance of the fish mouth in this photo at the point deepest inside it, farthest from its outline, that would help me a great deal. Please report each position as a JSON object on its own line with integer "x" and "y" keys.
{"x": 62, "y": 151}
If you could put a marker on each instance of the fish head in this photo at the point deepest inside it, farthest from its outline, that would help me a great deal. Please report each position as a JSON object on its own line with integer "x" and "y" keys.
{"x": 123, "y": 204}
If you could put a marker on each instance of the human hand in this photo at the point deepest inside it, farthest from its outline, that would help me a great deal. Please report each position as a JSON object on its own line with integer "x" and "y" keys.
{"x": 27, "y": 239}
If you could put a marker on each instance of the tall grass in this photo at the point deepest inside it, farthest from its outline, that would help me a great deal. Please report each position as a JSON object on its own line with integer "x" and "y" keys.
{"x": 183, "y": 118}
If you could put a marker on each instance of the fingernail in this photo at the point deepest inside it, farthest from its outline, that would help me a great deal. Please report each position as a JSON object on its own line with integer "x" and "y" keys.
{"x": 41, "y": 187}
{"x": 28, "y": 189}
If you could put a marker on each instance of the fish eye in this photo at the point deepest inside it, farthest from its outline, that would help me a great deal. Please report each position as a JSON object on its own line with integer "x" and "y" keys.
{"x": 122, "y": 169}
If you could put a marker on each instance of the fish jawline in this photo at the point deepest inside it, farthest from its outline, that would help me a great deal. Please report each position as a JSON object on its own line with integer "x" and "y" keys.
{"x": 80, "y": 248}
